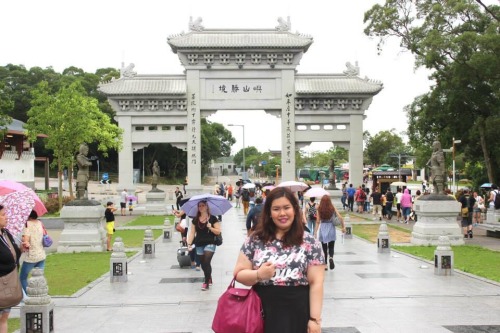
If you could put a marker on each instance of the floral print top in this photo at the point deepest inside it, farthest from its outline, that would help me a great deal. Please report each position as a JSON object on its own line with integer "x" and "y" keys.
{"x": 291, "y": 261}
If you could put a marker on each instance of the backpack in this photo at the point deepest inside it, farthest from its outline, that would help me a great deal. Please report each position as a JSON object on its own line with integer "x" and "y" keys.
{"x": 497, "y": 199}
{"x": 311, "y": 213}
{"x": 362, "y": 195}
{"x": 389, "y": 196}
{"x": 245, "y": 196}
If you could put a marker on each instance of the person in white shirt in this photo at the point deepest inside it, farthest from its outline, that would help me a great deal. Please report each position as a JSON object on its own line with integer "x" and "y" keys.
{"x": 123, "y": 202}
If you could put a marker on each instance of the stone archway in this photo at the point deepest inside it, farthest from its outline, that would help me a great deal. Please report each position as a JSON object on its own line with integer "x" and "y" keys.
{"x": 230, "y": 69}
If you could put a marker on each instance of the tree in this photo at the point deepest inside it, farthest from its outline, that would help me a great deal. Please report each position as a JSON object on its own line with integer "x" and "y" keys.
{"x": 6, "y": 106}
{"x": 216, "y": 141}
{"x": 70, "y": 118}
{"x": 459, "y": 41}
{"x": 382, "y": 145}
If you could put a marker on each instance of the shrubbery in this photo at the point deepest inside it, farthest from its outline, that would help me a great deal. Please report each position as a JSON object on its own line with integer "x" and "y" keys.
{"x": 52, "y": 204}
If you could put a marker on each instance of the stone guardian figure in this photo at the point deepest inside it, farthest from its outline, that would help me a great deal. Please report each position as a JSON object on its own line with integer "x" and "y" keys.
{"x": 156, "y": 177}
{"x": 437, "y": 165}
{"x": 82, "y": 177}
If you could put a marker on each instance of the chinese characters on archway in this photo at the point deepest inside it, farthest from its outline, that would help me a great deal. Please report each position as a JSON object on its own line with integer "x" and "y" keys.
{"x": 194, "y": 120}
{"x": 235, "y": 88}
{"x": 288, "y": 129}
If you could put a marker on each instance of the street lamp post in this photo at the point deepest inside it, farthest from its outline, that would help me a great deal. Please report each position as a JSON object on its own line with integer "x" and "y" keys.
{"x": 143, "y": 149}
{"x": 453, "y": 152}
{"x": 244, "y": 161}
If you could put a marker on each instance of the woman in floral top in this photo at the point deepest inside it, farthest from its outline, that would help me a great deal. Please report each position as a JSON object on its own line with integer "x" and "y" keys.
{"x": 285, "y": 265}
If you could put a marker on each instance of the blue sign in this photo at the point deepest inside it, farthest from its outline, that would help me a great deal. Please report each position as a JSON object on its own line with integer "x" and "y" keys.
{"x": 263, "y": 162}
{"x": 105, "y": 176}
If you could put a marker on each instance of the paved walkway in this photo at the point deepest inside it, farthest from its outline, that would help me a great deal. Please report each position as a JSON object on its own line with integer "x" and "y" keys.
{"x": 367, "y": 292}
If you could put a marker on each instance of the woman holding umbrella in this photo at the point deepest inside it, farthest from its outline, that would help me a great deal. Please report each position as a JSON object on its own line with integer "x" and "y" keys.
{"x": 8, "y": 261}
{"x": 202, "y": 233}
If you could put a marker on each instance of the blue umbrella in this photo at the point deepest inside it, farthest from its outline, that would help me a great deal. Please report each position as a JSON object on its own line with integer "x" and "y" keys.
{"x": 217, "y": 204}
{"x": 486, "y": 185}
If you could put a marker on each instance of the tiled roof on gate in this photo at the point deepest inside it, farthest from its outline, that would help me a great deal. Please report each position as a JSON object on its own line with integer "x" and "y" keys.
{"x": 225, "y": 39}
{"x": 145, "y": 85}
{"x": 335, "y": 84}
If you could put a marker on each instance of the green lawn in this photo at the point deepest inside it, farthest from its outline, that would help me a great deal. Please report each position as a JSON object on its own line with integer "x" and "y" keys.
{"x": 134, "y": 238}
{"x": 149, "y": 220}
{"x": 468, "y": 258}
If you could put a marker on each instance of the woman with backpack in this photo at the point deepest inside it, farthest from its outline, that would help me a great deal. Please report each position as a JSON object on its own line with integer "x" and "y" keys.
{"x": 310, "y": 214}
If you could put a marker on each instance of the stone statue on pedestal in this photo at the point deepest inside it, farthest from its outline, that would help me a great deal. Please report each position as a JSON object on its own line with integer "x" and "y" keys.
{"x": 437, "y": 165}
{"x": 155, "y": 178}
{"x": 82, "y": 177}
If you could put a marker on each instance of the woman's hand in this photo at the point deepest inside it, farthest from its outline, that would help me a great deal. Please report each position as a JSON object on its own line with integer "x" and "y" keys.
{"x": 266, "y": 271}
{"x": 313, "y": 327}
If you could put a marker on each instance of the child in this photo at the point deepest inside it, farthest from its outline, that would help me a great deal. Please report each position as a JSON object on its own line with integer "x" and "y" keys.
{"x": 110, "y": 223}
{"x": 130, "y": 207}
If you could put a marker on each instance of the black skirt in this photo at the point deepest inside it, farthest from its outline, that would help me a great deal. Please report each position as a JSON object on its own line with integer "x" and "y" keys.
{"x": 286, "y": 309}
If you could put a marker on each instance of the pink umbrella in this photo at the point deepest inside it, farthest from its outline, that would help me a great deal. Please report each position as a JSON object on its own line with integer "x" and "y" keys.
{"x": 19, "y": 200}
{"x": 268, "y": 187}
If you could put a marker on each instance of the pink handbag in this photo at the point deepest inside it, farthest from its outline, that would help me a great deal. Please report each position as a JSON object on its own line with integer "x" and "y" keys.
{"x": 239, "y": 310}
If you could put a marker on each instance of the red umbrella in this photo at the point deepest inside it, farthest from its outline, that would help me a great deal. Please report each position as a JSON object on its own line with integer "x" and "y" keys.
{"x": 19, "y": 200}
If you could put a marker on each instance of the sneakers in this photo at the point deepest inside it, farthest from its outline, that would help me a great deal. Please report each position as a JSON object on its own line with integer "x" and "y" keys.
{"x": 470, "y": 233}
{"x": 466, "y": 236}
{"x": 204, "y": 286}
{"x": 210, "y": 281}
{"x": 332, "y": 264}
{"x": 198, "y": 268}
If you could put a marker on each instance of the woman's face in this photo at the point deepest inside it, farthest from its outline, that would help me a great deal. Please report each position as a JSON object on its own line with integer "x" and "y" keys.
{"x": 3, "y": 218}
{"x": 282, "y": 213}
{"x": 202, "y": 207}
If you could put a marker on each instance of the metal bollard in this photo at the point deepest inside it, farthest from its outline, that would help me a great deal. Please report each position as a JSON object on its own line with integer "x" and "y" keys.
{"x": 383, "y": 241}
{"x": 148, "y": 244}
{"x": 37, "y": 313}
{"x": 118, "y": 262}
{"x": 443, "y": 257}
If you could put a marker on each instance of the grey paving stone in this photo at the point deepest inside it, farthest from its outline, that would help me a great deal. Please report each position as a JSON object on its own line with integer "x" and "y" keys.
{"x": 380, "y": 275}
{"x": 474, "y": 329}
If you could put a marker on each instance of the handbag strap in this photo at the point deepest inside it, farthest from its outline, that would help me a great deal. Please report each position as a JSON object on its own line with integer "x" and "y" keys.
{"x": 6, "y": 237}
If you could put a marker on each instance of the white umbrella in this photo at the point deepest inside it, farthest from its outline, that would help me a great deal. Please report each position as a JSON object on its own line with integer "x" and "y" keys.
{"x": 294, "y": 186}
{"x": 398, "y": 183}
{"x": 316, "y": 192}
{"x": 249, "y": 185}
{"x": 218, "y": 205}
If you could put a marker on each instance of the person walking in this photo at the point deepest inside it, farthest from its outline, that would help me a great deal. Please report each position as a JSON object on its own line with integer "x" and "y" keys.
{"x": 109, "y": 215}
{"x": 254, "y": 215}
{"x": 9, "y": 260}
{"x": 195, "y": 261}
{"x": 478, "y": 209}
{"x": 376, "y": 197}
{"x": 202, "y": 233}
{"x": 399, "y": 194}
{"x": 230, "y": 192}
{"x": 351, "y": 191}
{"x": 366, "y": 206}
{"x": 467, "y": 202}
{"x": 178, "y": 197}
{"x": 360, "y": 198}
{"x": 389, "y": 197}
{"x": 406, "y": 205}
{"x": 343, "y": 199}
{"x": 123, "y": 201}
{"x": 285, "y": 266}
{"x": 245, "y": 200}
{"x": 310, "y": 213}
{"x": 34, "y": 254}
{"x": 327, "y": 215}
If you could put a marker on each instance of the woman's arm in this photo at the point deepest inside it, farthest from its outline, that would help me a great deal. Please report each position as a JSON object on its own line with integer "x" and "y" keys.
{"x": 315, "y": 276}
{"x": 190, "y": 238}
{"x": 215, "y": 228}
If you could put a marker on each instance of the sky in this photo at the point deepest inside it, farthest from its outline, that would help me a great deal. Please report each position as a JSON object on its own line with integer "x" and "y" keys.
{"x": 95, "y": 34}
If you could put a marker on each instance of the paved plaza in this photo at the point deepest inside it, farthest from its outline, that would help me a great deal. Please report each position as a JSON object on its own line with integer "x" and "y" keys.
{"x": 368, "y": 292}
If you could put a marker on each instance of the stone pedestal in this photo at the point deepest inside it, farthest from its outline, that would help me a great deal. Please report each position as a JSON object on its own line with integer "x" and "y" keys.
{"x": 168, "y": 230}
{"x": 155, "y": 203}
{"x": 83, "y": 227}
{"x": 118, "y": 262}
{"x": 437, "y": 216}
{"x": 348, "y": 227}
{"x": 148, "y": 244}
{"x": 443, "y": 257}
{"x": 37, "y": 313}
{"x": 383, "y": 241}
